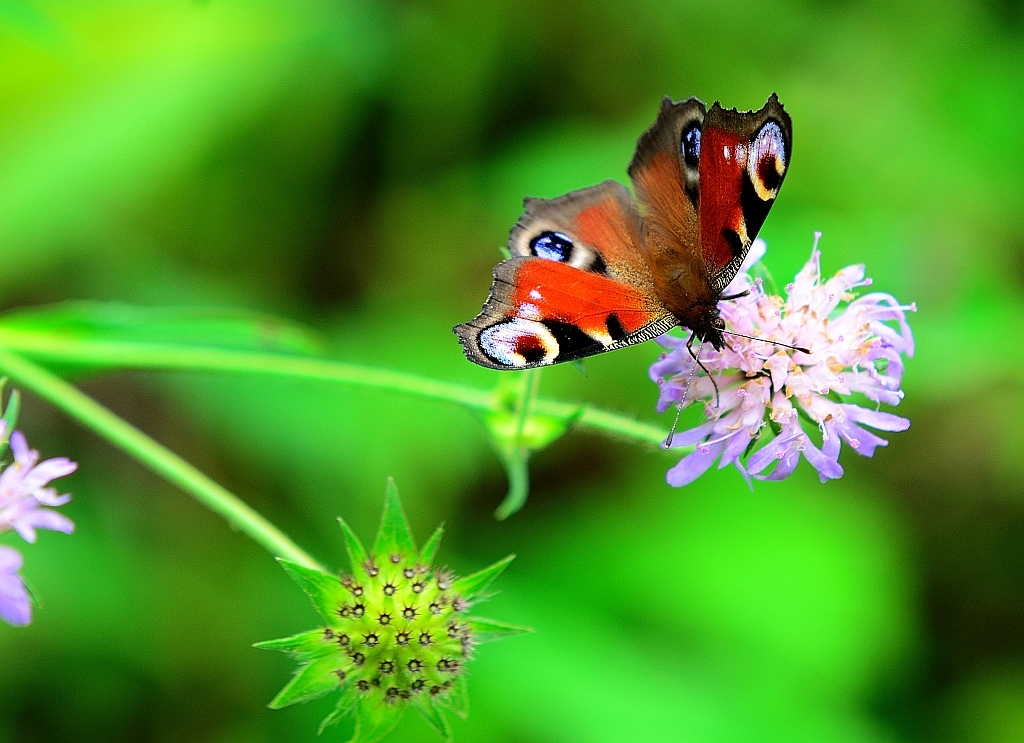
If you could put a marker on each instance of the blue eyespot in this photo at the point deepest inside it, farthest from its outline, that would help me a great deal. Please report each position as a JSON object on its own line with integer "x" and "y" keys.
{"x": 690, "y": 144}
{"x": 554, "y": 246}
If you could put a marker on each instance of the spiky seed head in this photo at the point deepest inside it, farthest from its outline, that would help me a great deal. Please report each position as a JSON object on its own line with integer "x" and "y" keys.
{"x": 389, "y": 670}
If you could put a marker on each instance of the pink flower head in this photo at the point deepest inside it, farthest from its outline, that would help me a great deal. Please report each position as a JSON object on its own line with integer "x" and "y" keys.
{"x": 23, "y": 492}
{"x": 26, "y": 504}
{"x": 768, "y": 393}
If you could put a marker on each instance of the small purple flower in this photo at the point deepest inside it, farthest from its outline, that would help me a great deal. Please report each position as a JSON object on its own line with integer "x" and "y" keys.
{"x": 26, "y": 504}
{"x": 23, "y": 492}
{"x": 14, "y": 604}
{"x": 765, "y": 390}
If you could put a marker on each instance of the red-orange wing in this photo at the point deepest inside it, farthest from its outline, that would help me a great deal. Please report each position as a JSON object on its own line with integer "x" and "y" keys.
{"x": 543, "y": 312}
{"x": 744, "y": 159}
{"x": 577, "y": 285}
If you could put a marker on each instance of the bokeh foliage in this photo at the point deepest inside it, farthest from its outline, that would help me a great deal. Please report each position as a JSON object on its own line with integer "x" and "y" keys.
{"x": 355, "y": 166}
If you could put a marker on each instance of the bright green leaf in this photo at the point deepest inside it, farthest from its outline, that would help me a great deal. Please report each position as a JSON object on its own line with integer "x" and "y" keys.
{"x": 356, "y": 553}
{"x": 457, "y": 700}
{"x": 394, "y": 536}
{"x": 312, "y": 680}
{"x": 345, "y": 706}
{"x": 325, "y": 591}
{"x": 309, "y": 644}
{"x": 433, "y": 715}
{"x": 114, "y": 321}
{"x": 488, "y": 630}
{"x": 375, "y": 720}
{"x": 474, "y": 584}
{"x": 430, "y": 548}
{"x": 10, "y": 417}
{"x": 536, "y": 432}
{"x": 518, "y": 472}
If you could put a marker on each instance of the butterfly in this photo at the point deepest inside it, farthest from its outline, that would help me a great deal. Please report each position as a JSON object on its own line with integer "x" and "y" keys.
{"x": 595, "y": 270}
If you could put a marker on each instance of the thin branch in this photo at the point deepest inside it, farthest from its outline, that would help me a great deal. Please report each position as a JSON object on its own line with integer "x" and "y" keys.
{"x": 164, "y": 462}
{"x": 52, "y": 347}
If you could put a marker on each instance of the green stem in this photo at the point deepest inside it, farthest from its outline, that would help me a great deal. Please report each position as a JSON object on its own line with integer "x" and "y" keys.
{"x": 181, "y": 357}
{"x": 164, "y": 462}
{"x": 527, "y": 394}
{"x": 54, "y": 348}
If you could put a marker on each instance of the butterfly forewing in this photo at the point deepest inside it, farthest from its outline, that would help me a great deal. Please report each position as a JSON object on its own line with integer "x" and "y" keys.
{"x": 577, "y": 285}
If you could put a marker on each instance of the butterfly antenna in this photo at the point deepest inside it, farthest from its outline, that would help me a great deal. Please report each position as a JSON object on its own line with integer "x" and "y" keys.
{"x": 696, "y": 358}
{"x": 686, "y": 390}
{"x": 765, "y": 340}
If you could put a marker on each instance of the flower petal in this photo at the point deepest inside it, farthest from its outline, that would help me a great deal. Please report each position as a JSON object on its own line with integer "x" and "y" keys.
{"x": 860, "y": 440}
{"x": 828, "y": 468}
{"x": 876, "y": 419}
{"x": 19, "y": 447}
{"x": 10, "y": 560}
{"x": 786, "y": 465}
{"x": 41, "y": 518}
{"x": 691, "y": 436}
{"x": 694, "y": 465}
{"x": 51, "y": 469}
{"x": 15, "y": 608}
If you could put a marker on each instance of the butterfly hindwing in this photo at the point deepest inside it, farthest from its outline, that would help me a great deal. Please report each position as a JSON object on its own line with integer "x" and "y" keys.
{"x": 577, "y": 285}
{"x": 664, "y": 171}
{"x": 743, "y": 161}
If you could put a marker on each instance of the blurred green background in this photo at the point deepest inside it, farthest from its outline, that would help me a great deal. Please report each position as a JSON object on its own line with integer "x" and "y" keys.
{"x": 356, "y": 166}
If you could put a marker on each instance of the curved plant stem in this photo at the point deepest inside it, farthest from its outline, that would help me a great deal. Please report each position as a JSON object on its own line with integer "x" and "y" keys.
{"x": 164, "y": 462}
{"x": 182, "y": 357}
{"x": 515, "y": 453}
{"x": 54, "y": 347}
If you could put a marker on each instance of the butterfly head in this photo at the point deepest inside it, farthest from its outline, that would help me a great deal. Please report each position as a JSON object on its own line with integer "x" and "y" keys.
{"x": 709, "y": 327}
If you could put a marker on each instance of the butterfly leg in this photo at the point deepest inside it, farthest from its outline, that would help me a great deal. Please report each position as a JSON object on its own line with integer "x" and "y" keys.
{"x": 729, "y": 297}
{"x": 686, "y": 390}
{"x": 696, "y": 358}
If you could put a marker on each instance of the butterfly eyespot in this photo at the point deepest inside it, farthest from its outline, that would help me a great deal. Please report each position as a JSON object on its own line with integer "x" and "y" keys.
{"x": 689, "y": 146}
{"x": 767, "y": 162}
{"x": 518, "y": 343}
{"x": 554, "y": 246}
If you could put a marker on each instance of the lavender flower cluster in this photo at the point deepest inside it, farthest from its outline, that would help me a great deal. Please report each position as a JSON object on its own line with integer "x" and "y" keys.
{"x": 855, "y": 344}
{"x": 25, "y": 505}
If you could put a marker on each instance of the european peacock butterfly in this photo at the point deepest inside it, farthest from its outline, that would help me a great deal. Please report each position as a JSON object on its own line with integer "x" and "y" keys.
{"x": 591, "y": 271}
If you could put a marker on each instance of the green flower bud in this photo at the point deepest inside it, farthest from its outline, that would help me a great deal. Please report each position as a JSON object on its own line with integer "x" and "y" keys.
{"x": 397, "y": 632}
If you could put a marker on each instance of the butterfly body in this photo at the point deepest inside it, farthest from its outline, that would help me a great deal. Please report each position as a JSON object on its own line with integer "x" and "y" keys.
{"x": 591, "y": 271}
